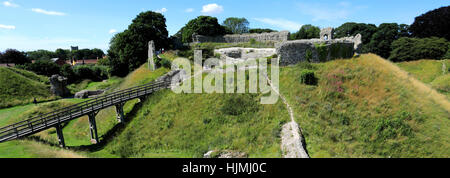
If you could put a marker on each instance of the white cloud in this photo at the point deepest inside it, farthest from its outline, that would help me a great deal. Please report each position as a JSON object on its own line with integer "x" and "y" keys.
{"x": 112, "y": 31}
{"x": 212, "y": 9}
{"x": 9, "y": 27}
{"x": 10, "y": 4}
{"x": 189, "y": 10}
{"x": 42, "y": 11}
{"x": 163, "y": 10}
{"x": 281, "y": 23}
{"x": 326, "y": 12}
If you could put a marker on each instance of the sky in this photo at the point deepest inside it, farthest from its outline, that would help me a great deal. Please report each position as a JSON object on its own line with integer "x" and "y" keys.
{"x": 50, "y": 24}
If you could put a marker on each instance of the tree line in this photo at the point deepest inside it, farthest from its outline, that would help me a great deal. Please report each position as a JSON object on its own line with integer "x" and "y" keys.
{"x": 19, "y": 57}
{"x": 427, "y": 37}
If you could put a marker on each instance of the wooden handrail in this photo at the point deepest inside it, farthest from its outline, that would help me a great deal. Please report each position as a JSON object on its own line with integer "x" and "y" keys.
{"x": 77, "y": 110}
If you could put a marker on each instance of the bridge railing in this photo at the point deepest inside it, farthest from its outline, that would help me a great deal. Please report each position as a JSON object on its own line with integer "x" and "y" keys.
{"x": 43, "y": 121}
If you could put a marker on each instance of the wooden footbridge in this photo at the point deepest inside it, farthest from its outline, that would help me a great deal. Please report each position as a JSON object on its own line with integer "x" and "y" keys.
{"x": 90, "y": 108}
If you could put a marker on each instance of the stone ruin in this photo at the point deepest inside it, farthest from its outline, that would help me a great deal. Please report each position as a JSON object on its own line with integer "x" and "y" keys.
{"x": 243, "y": 38}
{"x": 318, "y": 50}
{"x": 151, "y": 54}
{"x": 327, "y": 33}
{"x": 58, "y": 85}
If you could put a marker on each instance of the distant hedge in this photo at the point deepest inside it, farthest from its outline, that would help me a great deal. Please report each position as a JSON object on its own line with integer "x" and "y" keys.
{"x": 409, "y": 49}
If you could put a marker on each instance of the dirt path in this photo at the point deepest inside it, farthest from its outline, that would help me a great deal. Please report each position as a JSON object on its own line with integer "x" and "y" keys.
{"x": 292, "y": 142}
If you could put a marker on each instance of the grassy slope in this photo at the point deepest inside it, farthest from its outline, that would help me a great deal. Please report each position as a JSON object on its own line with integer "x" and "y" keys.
{"x": 20, "y": 87}
{"x": 189, "y": 125}
{"x": 76, "y": 133}
{"x": 365, "y": 107}
{"x": 28, "y": 148}
{"x": 430, "y": 72}
{"x": 87, "y": 84}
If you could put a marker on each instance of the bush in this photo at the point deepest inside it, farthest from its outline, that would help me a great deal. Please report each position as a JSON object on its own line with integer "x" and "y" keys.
{"x": 408, "y": 49}
{"x": 236, "y": 105}
{"x": 92, "y": 72}
{"x": 165, "y": 63}
{"x": 42, "y": 67}
{"x": 307, "y": 77}
{"x": 67, "y": 71}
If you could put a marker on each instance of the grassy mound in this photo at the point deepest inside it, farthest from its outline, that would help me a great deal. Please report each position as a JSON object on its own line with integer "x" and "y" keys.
{"x": 21, "y": 87}
{"x": 436, "y": 73}
{"x": 189, "y": 125}
{"x": 367, "y": 107}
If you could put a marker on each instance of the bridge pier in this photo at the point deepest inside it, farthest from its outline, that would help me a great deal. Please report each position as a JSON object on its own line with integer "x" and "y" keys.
{"x": 93, "y": 128}
{"x": 142, "y": 99}
{"x": 60, "y": 135}
{"x": 119, "y": 111}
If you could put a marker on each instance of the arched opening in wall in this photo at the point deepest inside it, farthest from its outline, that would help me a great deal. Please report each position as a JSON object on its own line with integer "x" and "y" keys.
{"x": 325, "y": 37}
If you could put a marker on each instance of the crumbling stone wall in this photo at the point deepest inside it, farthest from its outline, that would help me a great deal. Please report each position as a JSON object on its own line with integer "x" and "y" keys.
{"x": 58, "y": 85}
{"x": 243, "y": 38}
{"x": 151, "y": 54}
{"x": 316, "y": 50}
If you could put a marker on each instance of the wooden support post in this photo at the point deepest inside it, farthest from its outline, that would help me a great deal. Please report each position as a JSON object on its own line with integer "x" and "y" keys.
{"x": 120, "y": 115}
{"x": 93, "y": 128}
{"x": 59, "y": 132}
{"x": 142, "y": 99}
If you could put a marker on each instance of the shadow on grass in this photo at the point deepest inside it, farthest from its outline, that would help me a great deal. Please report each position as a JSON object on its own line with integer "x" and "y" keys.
{"x": 113, "y": 132}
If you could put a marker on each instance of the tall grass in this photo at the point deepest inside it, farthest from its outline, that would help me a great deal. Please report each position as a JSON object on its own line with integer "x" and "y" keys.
{"x": 365, "y": 107}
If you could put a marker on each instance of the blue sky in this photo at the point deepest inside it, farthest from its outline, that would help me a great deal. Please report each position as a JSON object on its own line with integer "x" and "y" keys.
{"x": 50, "y": 24}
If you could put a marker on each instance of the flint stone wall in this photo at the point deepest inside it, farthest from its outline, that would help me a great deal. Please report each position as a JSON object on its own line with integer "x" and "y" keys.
{"x": 243, "y": 38}
{"x": 58, "y": 85}
{"x": 292, "y": 52}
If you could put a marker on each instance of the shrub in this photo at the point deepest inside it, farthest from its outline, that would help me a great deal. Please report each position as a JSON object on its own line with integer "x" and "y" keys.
{"x": 67, "y": 71}
{"x": 239, "y": 104}
{"x": 92, "y": 72}
{"x": 308, "y": 55}
{"x": 165, "y": 63}
{"x": 322, "y": 51}
{"x": 252, "y": 41}
{"x": 408, "y": 49}
{"x": 42, "y": 67}
{"x": 307, "y": 77}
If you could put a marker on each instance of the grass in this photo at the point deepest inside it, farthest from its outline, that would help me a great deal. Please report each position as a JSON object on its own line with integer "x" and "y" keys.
{"x": 87, "y": 84}
{"x": 367, "y": 107}
{"x": 20, "y": 87}
{"x": 28, "y": 148}
{"x": 76, "y": 132}
{"x": 360, "y": 107}
{"x": 189, "y": 125}
{"x": 430, "y": 72}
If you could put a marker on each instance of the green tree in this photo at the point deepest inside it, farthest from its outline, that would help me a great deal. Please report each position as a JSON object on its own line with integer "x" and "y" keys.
{"x": 42, "y": 67}
{"x": 63, "y": 54}
{"x": 433, "y": 23}
{"x": 202, "y": 25}
{"x": 306, "y": 32}
{"x": 352, "y": 29}
{"x": 128, "y": 49}
{"x": 236, "y": 25}
{"x": 41, "y": 55}
{"x": 14, "y": 56}
{"x": 381, "y": 40}
{"x": 408, "y": 49}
